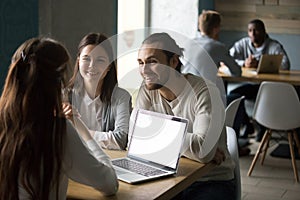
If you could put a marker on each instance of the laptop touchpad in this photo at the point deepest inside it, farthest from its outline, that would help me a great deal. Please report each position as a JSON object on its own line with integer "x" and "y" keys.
{"x": 130, "y": 176}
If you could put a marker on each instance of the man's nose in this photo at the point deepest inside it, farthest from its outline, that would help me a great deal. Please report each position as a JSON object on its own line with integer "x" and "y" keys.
{"x": 145, "y": 68}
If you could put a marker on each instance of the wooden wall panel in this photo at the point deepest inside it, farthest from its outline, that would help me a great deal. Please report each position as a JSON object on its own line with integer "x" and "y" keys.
{"x": 228, "y": 7}
{"x": 279, "y": 12}
{"x": 271, "y": 2}
{"x": 280, "y": 16}
{"x": 282, "y": 26}
{"x": 251, "y": 2}
{"x": 289, "y": 2}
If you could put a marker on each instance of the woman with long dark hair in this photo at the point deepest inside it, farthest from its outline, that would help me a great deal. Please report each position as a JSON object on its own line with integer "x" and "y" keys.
{"x": 39, "y": 149}
{"x": 102, "y": 106}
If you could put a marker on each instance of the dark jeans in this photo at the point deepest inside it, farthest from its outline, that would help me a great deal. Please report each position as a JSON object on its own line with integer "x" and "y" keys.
{"x": 241, "y": 117}
{"x": 209, "y": 190}
{"x": 250, "y": 92}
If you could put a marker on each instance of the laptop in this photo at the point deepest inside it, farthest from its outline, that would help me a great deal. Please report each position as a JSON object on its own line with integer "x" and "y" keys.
{"x": 154, "y": 147}
{"x": 269, "y": 64}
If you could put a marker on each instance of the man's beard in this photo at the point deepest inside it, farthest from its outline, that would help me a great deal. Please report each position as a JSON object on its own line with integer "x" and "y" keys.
{"x": 153, "y": 86}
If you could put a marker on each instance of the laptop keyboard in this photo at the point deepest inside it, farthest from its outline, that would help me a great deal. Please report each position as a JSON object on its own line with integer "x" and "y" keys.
{"x": 136, "y": 167}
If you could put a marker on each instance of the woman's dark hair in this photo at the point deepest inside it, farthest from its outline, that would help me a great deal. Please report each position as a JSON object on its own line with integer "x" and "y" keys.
{"x": 169, "y": 46}
{"x": 32, "y": 131}
{"x": 110, "y": 80}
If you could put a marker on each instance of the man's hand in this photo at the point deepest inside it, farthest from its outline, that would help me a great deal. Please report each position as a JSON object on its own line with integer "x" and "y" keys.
{"x": 219, "y": 156}
{"x": 251, "y": 62}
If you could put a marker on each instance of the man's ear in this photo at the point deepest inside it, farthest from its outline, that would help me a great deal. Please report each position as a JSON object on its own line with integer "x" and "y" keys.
{"x": 174, "y": 61}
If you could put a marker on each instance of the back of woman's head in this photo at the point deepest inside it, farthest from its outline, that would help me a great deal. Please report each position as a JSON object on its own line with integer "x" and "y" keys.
{"x": 31, "y": 129}
{"x": 110, "y": 80}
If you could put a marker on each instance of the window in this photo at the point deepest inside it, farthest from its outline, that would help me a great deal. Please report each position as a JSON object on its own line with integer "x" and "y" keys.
{"x": 132, "y": 19}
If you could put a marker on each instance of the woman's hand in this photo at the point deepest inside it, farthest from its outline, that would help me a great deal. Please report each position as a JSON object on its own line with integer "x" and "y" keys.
{"x": 73, "y": 115}
{"x": 69, "y": 111}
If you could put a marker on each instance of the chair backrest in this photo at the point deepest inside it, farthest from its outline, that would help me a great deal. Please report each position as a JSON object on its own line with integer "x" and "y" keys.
{"x": 234, "y": 153}
{"x": 277, "y": 106}
{"x": 231, "y": 110}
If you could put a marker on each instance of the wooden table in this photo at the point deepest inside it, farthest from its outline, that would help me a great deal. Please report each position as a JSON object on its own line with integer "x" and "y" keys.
{"x": 248, "y": 75}
{"x": 189, "y": 171}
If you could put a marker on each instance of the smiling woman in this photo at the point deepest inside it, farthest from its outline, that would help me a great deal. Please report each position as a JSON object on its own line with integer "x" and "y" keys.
{"x": 94, "y": 94}
{"x": 93, "y": 67}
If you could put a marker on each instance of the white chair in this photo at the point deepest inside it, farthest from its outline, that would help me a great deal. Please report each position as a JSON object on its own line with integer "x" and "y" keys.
{"x": 234, "y": 152}
{"x": 277, "y": 107}
{"x": 231, "y": 110}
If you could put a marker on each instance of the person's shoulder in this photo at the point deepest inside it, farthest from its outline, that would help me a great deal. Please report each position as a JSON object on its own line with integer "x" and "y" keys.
{"x": 205, "y": 40}
{"x": 205, "y": 43}
{"x": 215, "y": 47}
{"x": 273, "y": 42}
{"x": 219, "y": 43}
{"x": 120, "y": 93}
{"x": 243, "y": 40}
{"x": 198, "y": 85}
{"x": 194, "y": 80}
{"x": 241, "y": 44}
{"x": 120, "y": 90}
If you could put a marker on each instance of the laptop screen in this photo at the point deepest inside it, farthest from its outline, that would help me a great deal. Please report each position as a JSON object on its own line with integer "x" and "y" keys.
{"x": 157, "y": 138}
{"x": 269, "y": 64}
